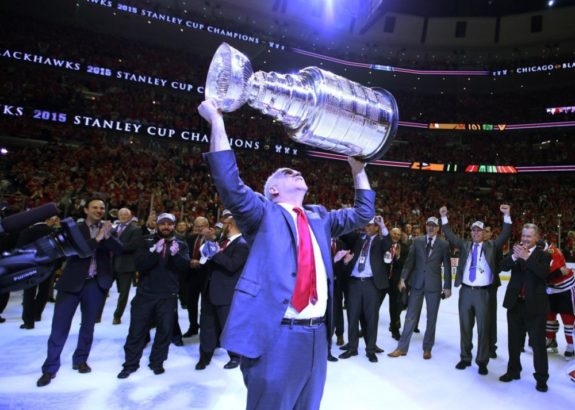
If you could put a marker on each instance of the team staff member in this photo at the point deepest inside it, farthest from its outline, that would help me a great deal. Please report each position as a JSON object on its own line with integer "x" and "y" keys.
{"x": 84, "y": 282}
{"x": 159, "y": 262}
{"x": 278, "y": 313}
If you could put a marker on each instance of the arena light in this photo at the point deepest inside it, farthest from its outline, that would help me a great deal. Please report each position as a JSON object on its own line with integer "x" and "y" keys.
{"x": 551, "y": 3}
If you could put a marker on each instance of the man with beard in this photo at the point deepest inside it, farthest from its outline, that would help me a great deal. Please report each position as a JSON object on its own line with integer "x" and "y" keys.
{"x": 159, "y": 261}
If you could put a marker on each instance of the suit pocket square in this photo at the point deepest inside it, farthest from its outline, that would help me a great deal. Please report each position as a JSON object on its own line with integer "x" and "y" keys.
{"x": 248, "y": 286}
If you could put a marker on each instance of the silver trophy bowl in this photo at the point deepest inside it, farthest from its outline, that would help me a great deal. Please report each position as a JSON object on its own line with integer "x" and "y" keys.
{"x": 317, "y": 108}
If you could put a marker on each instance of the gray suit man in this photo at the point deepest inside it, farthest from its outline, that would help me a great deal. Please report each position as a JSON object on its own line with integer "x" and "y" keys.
{"x": 476, "y": 273}
{"x": 422, "y": 271}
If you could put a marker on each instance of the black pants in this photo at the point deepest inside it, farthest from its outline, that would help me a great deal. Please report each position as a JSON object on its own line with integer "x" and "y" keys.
{"x": 518, "y": 323}
{"x": 212, "y": 321}
{"x": 146, "y": 308}
{"x": 4, "y": 301}
{"x": 123, "y": 284}
{"x": 195, "y": 286}
{"x": 338, "y": 306}
{"x": 34, "y": 301}
{"x": 364, "y": 299}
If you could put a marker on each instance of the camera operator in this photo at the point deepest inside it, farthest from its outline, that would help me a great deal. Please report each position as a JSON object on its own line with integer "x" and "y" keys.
{"x": 84, "y": 281}
{"x": 35, "y": 297}
{"x": 160, "y": 262}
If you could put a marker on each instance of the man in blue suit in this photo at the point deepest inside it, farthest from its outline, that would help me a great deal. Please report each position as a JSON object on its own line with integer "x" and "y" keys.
{"x": 84, "y": 282}
{"x": 281, "y": 308}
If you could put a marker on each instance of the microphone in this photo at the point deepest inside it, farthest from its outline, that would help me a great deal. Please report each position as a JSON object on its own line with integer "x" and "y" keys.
{"x": 21, "y": 220}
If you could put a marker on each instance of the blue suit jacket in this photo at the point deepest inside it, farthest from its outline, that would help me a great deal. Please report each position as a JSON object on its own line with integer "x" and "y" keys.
{"x": 264, "y": 290}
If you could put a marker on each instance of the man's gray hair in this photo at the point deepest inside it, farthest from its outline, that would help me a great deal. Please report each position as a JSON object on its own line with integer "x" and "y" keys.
{"x": 270, "y": 181}
{"x": 532, "y": 226}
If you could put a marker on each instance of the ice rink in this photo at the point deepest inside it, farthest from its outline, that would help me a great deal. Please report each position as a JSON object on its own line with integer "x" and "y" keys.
{"x": 353, "y": 384}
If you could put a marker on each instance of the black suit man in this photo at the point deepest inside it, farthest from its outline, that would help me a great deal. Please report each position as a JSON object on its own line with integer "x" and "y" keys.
{"x": 395, "y": 259}
{"x": 476, "y": 272}
{"x": 368, "y": 282}
{"x": 84, "y": 281}
{"x": 196, "y": 279}
{"x": 223, "y": 268}
{"x": 527, "y": 305}
{"x": 422, "y": 271}
{"x": 124, "y": 265}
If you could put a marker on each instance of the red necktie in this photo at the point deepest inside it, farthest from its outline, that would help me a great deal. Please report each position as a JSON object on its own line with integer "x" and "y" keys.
{"x": 305, "y": 287}
{"x": 225, "y": 244}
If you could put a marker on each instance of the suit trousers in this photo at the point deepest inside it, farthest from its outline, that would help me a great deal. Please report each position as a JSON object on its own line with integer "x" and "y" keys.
{"x": 414, "y": 306}
{"x": 493, "y": 319}
{"x": 474, "y": 306}
{"x": 394, "y": 304}
{"x": 145, "y": 309}
{"x": 338, "y": 306}
{"x": 364, "y": 299}
{"x": 34, "y": 301}
{"x": 90, "y": 299}
{"x": 195, "y": 285}
{"x": 518, "y": 323}
{"x": 123, "y": 284}
{"x": 212, "y": 321}
{"x": 291, "y": 373}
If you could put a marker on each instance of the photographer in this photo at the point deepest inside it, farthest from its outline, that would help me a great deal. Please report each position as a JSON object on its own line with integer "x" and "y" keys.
{"x": 84, "y": 281}
{"x": 160, "y": 262}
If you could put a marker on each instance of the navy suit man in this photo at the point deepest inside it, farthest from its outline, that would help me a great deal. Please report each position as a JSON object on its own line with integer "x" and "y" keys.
{"x": 476, "y": 273}
{"x": 527, "y": 305}
{"x": 223, "y": 267}
{"x": 277, "y": 320}
{"x": 84, "y": 281}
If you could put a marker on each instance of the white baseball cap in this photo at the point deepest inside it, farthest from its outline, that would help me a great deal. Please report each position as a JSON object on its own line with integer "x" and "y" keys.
{"x": 478, "y": 224}
{"x": 432, "y": 220}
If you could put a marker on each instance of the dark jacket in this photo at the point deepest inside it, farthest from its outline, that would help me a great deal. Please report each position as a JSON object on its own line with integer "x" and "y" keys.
{"x": 76, "y": 270}
{"x": 160, "y": 272}
{"x": 530, "y": 274}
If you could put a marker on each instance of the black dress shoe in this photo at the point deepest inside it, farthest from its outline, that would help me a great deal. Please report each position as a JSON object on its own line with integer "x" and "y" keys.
{"x": 26, "y": 326}
{"x": 158, "y": 370}
{"x": 232, "y": 364}
{"x": 507, "y": 377}
{"x": 178, "y": 342}
{"x": 344, "y": 347}
{"x": 541, "y": 386}
{"x": 190, "y": 333}
{"x": 332, "y": 358}
{"x": 125, "y": 373}
{"x": 201, "y": 365}
{"x": 348, "y": 353}
{"x": 416, "y": 330}
{"x": 482, "y": 369}
{"x": 396, "y": 335}
{"x": 372, "y": 357}
{"x": 38, "y": 318}
{"x": 493, "y": 355}
{"x": 82, "y": 368}
{"x": 378, "y": 349}
{"x": 462, "y": 364}
{"x": 45, "y": 379}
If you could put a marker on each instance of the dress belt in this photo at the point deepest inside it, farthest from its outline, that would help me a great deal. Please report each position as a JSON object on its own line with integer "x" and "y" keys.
{"x": 304, "y": 322}
{"x": 476, "y": 287}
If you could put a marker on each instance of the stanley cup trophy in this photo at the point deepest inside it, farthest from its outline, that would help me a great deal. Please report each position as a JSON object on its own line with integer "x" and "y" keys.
{"x": 317, "y": 107}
